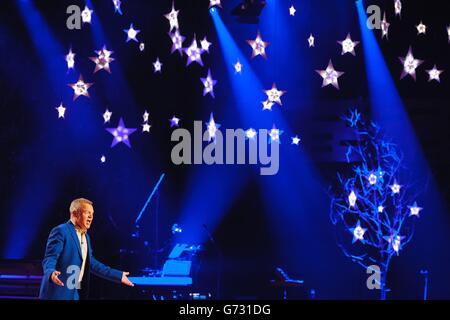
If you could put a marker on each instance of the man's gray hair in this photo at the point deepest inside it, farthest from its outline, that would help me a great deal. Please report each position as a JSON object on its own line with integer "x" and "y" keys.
{"x": 75, "y": 205}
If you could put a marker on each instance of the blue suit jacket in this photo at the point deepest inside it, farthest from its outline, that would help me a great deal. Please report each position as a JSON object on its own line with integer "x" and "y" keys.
{"x": 62, "y": 253}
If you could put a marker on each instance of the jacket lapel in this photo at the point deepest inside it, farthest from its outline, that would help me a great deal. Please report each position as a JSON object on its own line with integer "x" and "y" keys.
{"x": 74, "y": 236}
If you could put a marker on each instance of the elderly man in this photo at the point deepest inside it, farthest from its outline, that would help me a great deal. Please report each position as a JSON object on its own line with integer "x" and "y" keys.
{"x": 69, "y": 261}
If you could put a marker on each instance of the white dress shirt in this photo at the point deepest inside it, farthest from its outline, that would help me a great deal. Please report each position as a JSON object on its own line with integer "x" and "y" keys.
{"x": 84, "y": 249}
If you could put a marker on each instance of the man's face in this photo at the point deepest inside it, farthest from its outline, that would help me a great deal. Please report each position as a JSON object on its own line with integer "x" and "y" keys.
{"x": 85, "y": 216}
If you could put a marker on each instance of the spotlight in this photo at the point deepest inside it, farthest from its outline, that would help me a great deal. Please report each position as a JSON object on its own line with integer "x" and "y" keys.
{"x": 249, "y": 11}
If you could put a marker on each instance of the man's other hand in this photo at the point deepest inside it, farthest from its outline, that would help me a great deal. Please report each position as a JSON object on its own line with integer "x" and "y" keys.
{"x": 125, "y": 279}
{"x": 55, "y": 279}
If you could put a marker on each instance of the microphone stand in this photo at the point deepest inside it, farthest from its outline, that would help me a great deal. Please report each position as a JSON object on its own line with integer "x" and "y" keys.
{"x": 219, "y": 261}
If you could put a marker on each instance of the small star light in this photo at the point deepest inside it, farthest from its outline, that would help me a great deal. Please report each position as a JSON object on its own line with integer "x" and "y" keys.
{"x": 372, "y": 179}
{"x": 131, "y": 33}
{"x": 70, "y": 59}
{"x": 146, "y": 127}
{"x": 215, "y": 3}
{"x": 145, "y": 116}
{"x": 117, "y": 4}
{"x": 330, "y": 76}
{"x": 174, "y": 121}
{"x": 295, "y": 140}
{"x": 80, "y": 88}
{"x": 352, "y": 199}
{"x": 250, "y": 133}
{"x": 238, "y": 67}
{"x": 172, "y": 16}
{"x": 380, "y": 209}
{"x": 177, "y": 42}
{"x": 267, "y": 105}
{"x": 107, "y": 116}
{"x": 395, "y": 242}
{"x": 410, "y": 65}
{"x": 414, "y": 210}
{"x": 205, "y": 44}
{"x": 421, "y": 28}
{"x": 103, "y": 159}
{"x": 258, "y": 46}
{"x": 358, "y": 232}
{"x": 157, "y": 65}
{"x": 292, "y": 11}
{"x": 142, "y": 46}
{"x": 395, "y": 188}
{"x": 209, "y": 84}
{"x": 434, "y": 74}
{"x": 448, "y": 33}
{"x": 275, "y": 134}
{"x": 398, "y": 7}
{"x": 274, "y": 95}
{"x": 348, "y": 45}
{"x": 311, "y": 41}
{"x": 121, "y": 134}
{"x": 103, "y": 60}
{"x": 212, "y": 128}
{"x": 61, "y": 111}
{"x": 194, "y": 53}
{"x": 384, "y": 27}
{"x": 86, "y": 15}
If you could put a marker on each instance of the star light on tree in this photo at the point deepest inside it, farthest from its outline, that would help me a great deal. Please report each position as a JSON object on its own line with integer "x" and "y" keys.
{"x": 107, "y": 116}
{"x": 409, "y": 64}
{"x": 145, "y": 116}
{"x": 384, "y": 27}
{"x": 174, "y": 122}
{"x": 250, "y": 133}
{"x": 205, "y": 44}
{"x": 275, "y": 134}
{"x": 398, "y": 7}
{"x": 434, "y": 74}
{"x": 238, "y": 67}
{"x": 141, "y": 46}
{"x": 330, "y": 76}
{"x": 372, "y": 179}
{"x": 352, "y": 199}
{"x": 117, "y": 4}
{"x": 215, "y": 3}
{"x": 311, "y": 41}
{"x": 358, "y": 232}
{"x": 121, "y": 134}
{"x": 172, "y": 16}
{"x": 395, "y": 188}
{"x": 146, "y": 127}
{"x": 296, "y": 140}
{"x": 348, "y": 45}
{"x": 102, "y": 60}
{"x": 212, "y": 127}
{"x": 177, "y": 42}
{"x": 103, "y": 159}
{"x": 80, "y": 88}
{"x": 208, "y": 84}
{"x": 414, "y": 210}
{"x": 194, "y": 53}
{"x": 292, "y": 10}
{"x": 421, "y": 28}
{"x": 258, "y": 46}
{"x": 61, "y": 111}
{"x": 274, "y": 95}
{"x": 131, "y": 33}
{"x": 157, "y": 65}
{"x": 70, "y": 59}
{"x": 86, "y": 15}
{"x": 267, "y": 105}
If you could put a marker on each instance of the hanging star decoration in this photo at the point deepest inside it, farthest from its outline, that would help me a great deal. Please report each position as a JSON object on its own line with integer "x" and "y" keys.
{"x": 311, "y": 41}
{"x": 194, "y": 53}
{"x": 395, "y": 188}
{"x": 141, "y": 46}
{"x": 258, "y": 46}
{"x": 395, "y": 242}
{"x": 61, "y": 111}
{"x": 157, "y": 65}
{"x": 205, "y": 44}
{"x": 380, "y": 209}
{"x": 174, "y": 122}
{"x": 146, "y": 127}
{"x": 215, "y": 3}
{"x": 250, "y": 134}
{"x": 398, "y": 7}
{"x": 70, "y": 59}
{"x": 238, "y": 67}
{"x": 121, "y": 134}
{"x": 177, "y": 42}
{"x": 102, "y": 60}
{"x": 117, "y": 4}
{"x": 410, "y": 65}
{"x": 80, "y": 88}
{"x": 274, "y": 95}
{"x": 131, "y": 33}
{"x": 384, "y": 27}
{"x": 421, "y": 28}
{"x": 86, "y": 15}
{"x": 295, "y": 140}
{"x": 292, "y": 10}
{"x": 434, "y": 74}
{"x": 275, "y": 134}
{"x": 414, "y": 210}
{"x": 212, "y": 127}
{"x": 448, "y": 33}
{"x": 348, "y": 45}
{"x": 352, "y": 199}
{"x": 267, "y": 105}
{"x": 358, "y": 232}
{"x": 330, "y": 76}
{"x": 103, "y": 159}
{"x": 208, "y": 84}
{"x": 172, "y": 16}
{"x": 107, "y": 116}
{"x": 145, "y": 116}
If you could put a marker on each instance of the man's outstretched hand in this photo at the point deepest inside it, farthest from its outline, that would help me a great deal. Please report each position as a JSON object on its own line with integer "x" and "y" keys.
{"x": 55, "y": 278}
{"x": 125, "y": 279}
